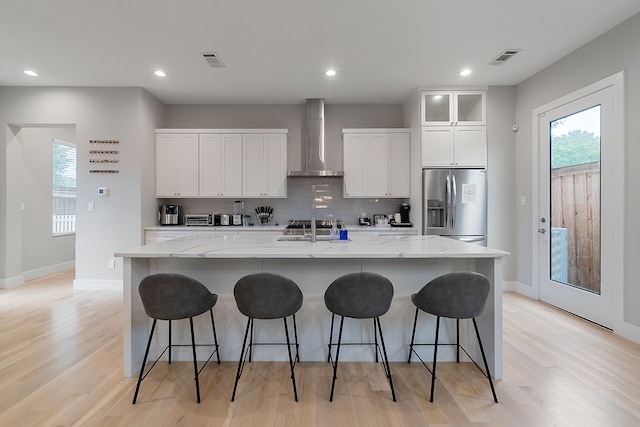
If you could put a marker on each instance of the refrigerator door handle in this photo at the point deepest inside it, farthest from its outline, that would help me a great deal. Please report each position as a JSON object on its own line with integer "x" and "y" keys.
{"x": 454, "y": 198}
{"x": 447, "y": 217}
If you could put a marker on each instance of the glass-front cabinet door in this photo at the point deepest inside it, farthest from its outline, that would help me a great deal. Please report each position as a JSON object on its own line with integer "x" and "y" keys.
{"x": 437, "y": 108}
{"x": 470, "y": 108}
{"x": 453, "y": 108}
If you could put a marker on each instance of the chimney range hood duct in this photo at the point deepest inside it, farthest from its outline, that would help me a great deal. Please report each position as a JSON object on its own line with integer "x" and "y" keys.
{"x": 314, "y": 143}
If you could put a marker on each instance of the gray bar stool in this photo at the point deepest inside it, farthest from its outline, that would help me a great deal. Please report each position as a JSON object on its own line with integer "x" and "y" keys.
{"x": 267, "y": 296}
{"x": 170, "y": 297}
{"x": 359, "y": 296}
{"x": 460, "y": 295}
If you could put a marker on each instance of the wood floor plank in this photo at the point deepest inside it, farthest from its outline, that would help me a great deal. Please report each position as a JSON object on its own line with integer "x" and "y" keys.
{"x": 61, "y": 365}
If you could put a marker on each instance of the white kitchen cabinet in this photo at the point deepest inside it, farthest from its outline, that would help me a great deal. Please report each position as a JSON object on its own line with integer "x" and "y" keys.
{"x": 454, "y": 131}
{"x": 176, "y": 165}
{"x": 453, "y": 108}
{"x": 264, "y": 165}
{"x": 220, "y": 165}
{"x": 454, "y": 146}
{"x": 376, "y": 163}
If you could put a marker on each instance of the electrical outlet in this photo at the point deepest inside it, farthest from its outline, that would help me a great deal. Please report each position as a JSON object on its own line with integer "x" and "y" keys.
{"x": 112, "y": 263}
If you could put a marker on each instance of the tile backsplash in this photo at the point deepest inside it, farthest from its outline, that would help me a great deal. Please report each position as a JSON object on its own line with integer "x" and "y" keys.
{"x": 297, "y": 205}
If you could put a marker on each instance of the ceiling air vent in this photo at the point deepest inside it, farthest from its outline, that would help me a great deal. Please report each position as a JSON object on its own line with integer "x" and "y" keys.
{"x": 504, "y": 56}
{"x": 212, "y": 59}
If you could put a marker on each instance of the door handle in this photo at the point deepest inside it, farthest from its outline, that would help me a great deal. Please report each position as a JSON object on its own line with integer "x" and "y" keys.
{"x": 542, "y": 230}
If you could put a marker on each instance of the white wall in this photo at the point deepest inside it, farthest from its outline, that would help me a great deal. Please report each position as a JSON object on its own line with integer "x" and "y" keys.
{"x": 616, "y": 50}
{"x": 502, "y": 203}
{"x": 125, "y": 114}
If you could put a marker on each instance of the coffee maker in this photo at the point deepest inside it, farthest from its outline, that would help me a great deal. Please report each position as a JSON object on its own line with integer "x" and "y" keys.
{"x": 404, "y": 213}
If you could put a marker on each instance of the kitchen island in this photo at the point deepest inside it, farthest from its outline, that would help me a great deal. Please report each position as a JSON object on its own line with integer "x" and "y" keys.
{"x": 219, "y": 261}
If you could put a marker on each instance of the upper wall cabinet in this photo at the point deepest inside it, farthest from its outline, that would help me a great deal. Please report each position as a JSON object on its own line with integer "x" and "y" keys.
{"x": 176, "y": 165}
{"x": 453, "y": 108}
{"x": 220, "y": 160}
{"x": 454, "y": 131}
{"x": 376, "y": 163}
{"x": 264, "y": 165}
{"x": 221, "y": 163}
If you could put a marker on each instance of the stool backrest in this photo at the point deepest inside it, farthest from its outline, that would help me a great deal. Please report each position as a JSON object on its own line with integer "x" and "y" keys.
{"x": 359, "y": 295}
{"x": 460, "y": 295}
{"x": 169, "y": 296}
{"x": 267, "y": 296}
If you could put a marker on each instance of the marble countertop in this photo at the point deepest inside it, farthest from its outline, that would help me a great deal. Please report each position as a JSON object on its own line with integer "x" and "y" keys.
{"x": 268, "y": 246}
{"x": 280, "y": 227}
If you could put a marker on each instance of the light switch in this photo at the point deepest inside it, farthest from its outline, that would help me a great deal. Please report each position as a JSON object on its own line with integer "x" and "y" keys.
{"x": 91, "y": 206}
{"x": 523, "y": 201}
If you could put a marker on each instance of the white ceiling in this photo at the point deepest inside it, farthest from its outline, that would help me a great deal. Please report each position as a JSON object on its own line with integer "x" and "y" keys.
{"x": 276, "y": 51}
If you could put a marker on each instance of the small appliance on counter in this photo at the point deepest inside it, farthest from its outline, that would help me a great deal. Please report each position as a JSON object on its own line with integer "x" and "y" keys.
{"x": 401, "y": 219}
{"x": 364, "y": 221}
{"x": 238, "y": 207}
{"x": 198, "y": 219}
{"x": 169, "y": 214}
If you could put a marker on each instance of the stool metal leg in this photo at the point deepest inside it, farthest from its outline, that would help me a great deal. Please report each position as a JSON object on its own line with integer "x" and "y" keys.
{"x": 144, "y": 361}
{"x": 435, "y": 358}
{"x": 169, "y": 342}
{"x": 413, "y": 335}
{"x": 251, "y": 342}
{"x": 195, "y": 361}
{"x": 291, "y": 365}
{"x": 244, "y": 344}
{"x": 215, "y": 336}
{"x": 458, "y": 340}
{"x": 386, "y": 359}
{"x": 335, "y": 366}
{"x": 484, "y": 358}
{"x": 295, "y": 333}
{"x": 375, "y": 339}
{"x": 330, "y": 337}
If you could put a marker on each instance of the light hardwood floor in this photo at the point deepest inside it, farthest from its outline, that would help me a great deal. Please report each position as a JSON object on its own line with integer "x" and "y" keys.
{"x": 61, "y": 364}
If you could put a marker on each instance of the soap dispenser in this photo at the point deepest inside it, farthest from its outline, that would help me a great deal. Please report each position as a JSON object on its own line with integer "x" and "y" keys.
{"x": 334, "y": 234}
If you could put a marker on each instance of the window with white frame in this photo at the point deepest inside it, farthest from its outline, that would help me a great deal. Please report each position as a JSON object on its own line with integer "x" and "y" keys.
{"x": 64, "y": 188}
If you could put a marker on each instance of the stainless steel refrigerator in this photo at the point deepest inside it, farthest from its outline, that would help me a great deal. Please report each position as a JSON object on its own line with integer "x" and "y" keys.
{"x": 454, "y": 204}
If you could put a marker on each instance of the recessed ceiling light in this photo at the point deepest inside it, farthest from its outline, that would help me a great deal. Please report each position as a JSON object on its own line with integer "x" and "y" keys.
{"x": 160, "y": 73}
{"x": 331, "y": 73}
{"x": 465, "y": 72}
{"x": 31, "y": 73}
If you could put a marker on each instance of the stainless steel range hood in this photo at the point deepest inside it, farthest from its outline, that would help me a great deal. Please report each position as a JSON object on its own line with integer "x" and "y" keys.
{"x": 314, "y": 143}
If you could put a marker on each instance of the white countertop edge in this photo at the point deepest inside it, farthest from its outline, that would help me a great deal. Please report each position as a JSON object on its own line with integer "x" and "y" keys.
{"x": 360, "y": 247}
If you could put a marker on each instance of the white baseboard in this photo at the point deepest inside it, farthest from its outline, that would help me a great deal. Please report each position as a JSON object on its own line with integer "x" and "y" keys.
{"x": 628, "y": 331}
{"x": 45, "y": 271}
{"x": 509, "y": 285}
{"x": 97, "y": 285}
{"x": 11, "y": 282}
{"x": 520, "y": 288}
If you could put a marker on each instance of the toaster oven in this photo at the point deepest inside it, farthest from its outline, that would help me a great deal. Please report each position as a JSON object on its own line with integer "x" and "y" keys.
{"x": 198, "y": 219}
